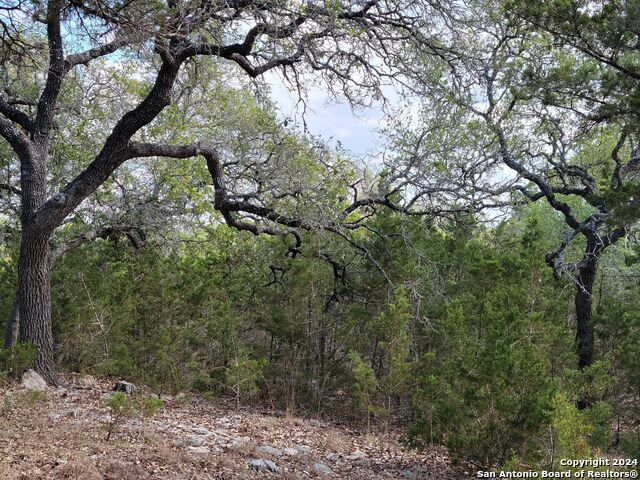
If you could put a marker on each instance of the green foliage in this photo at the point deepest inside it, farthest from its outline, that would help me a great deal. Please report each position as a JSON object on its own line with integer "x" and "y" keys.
{"x": 474, "y": 347}
{"x": 393, "y": 325}
{"x": 121, "y": 405}
{"x": 18, "y": 358}
{"x": 485, "y": 384}
{"x": 571, "y": 429}
{"x": 242, "y": 376}
{"x": 599, "y": 416}
{"x": 365, "y": 385}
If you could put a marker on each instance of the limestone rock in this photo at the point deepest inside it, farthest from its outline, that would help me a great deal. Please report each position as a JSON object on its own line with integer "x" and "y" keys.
{"x": 303, "y": 449}
{"x": 194, "y": 441}
{"x": 322, "y": 469}
{"x": 86, "y": 382}
{"x": 261, "y": 465}
{"x": 357, "y": 455}
{"x": 269, "y": 450}
{"x": 31, "y": 380}
{"x": 199, "y": 450}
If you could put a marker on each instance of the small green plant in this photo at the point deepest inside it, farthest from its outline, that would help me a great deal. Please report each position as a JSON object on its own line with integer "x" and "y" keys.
{"x": 151, "y": 406}
{"x": 121, "y": 405}
{"x": 16, "y": 359}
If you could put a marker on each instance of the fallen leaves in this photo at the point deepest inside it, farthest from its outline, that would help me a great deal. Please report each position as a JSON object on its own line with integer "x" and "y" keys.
{"x": 63, "y": 437}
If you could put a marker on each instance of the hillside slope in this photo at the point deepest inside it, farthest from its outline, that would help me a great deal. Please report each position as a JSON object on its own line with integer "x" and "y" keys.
{"x": 61, "y": 434}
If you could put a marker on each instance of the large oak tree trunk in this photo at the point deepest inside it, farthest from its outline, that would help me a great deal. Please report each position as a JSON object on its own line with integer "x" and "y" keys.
{"x": 35, "y": 301}
{"x": 34, "y": 290}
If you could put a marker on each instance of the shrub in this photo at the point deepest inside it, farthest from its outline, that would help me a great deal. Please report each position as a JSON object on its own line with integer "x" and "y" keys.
{"x": 121, "y": 405}
{"x": 18, "y": 358}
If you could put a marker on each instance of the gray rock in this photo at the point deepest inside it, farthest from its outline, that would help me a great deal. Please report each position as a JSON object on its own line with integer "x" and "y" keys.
{"x": 199, "y": 450}
{"x": 31, "y": 380}
{"x": 291, "y": 452}
{"x": 408, "y": 473}
{"x": 193, "y": 441}
{"x": 201, "y": 431}
{"x": 86, "y": 382}
{"x": 332, "y": 457}
{"x": 303, "y": 449}
{"x": 73, "y": 413}
{"x": 261, "y": 465}
{"x": 236, "y": 442}
{"x": 315, "y": 423}
{"x": 357, "y": 455}
{"x": 322, "y": 469}
{"x": 269, "y": 450}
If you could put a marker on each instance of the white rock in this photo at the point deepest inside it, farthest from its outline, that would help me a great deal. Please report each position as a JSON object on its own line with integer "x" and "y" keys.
{"x": 322, "y": 469}
{"x": 86, "y": 382}
{"x": 303, "y": 449}
{"x": 193, "y": 441}
{"x": 237, "y": 442}
{"x": 31, "y": 380}
{"x": 199, "y": 450}
{"x": 269, "y": 450}
{"x": 260, "y": 465}
{"x": 357, "y": 455}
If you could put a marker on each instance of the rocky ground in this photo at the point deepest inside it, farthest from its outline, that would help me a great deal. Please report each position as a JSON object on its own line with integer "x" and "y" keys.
{"x": 61, "y": 434}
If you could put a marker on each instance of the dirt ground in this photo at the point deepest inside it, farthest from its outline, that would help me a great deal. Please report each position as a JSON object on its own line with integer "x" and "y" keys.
{"x": 61, "y": 434}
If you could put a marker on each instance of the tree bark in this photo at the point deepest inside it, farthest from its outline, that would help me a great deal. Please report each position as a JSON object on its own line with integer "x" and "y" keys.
{"x": 585, "y": 334}
{"x": 584, "y": 302}
{"x": 34, "y": 291}
{"x": 584, "y": 307}
{"x": 13, "y": 327}
{"x": 34, "y": 301}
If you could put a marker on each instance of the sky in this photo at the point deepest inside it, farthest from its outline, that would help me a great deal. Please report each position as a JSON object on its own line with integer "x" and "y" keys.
{"x": 335, "y": 122}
